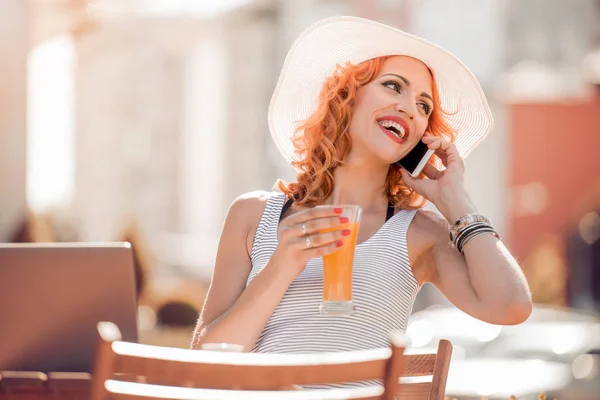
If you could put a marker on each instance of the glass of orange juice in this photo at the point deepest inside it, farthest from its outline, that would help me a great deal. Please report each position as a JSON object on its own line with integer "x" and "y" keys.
{"x": 337, "y": 268}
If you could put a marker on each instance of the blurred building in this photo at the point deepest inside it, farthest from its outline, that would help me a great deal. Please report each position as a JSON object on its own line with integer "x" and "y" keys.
{"x": 155, "y": 112}
{"x": 14, "y": 23}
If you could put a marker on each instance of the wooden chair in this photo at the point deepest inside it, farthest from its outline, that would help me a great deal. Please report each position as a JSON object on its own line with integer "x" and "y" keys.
{"x": 435, "y": 365}
{"x": 124, "y": 369}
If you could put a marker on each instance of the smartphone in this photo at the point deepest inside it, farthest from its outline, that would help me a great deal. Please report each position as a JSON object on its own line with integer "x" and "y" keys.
{"x": 416, "y": 159}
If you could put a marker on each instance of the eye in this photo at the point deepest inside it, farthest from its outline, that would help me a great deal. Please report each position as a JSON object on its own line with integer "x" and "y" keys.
{"x": 395, "y": 86}
{"x": 426, "y": 108}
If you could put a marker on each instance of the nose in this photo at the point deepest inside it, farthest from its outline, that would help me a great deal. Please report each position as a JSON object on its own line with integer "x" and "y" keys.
{"x": 407, "y": 108}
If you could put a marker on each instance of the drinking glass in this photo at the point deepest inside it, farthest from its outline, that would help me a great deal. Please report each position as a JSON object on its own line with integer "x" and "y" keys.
{"x": 337, "y": 268}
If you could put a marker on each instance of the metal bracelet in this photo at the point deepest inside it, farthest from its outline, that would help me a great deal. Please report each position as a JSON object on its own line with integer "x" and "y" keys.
{"x": 480, "y": 232}
{"x": 471, "y": 231}
{"x": 468, "y": 228}
{"x": 464, "y": 221}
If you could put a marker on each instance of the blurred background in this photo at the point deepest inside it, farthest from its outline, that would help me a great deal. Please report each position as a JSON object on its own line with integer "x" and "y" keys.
{"x": 141, "y": 120}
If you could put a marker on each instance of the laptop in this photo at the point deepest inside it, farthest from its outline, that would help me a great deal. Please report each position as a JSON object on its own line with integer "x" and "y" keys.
{"x": 52, "y": 295}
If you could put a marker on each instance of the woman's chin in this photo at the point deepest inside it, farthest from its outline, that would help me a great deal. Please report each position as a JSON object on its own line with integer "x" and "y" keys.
{"x": 374, "y": 155}
{"x": 388, "y": 158}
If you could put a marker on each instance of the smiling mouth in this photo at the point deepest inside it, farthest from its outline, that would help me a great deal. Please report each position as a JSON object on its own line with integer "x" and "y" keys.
{"x": 393, "y": 127}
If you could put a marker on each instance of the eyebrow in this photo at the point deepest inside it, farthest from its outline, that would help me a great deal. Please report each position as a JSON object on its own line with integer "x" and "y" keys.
{"x": 407, "y": 83}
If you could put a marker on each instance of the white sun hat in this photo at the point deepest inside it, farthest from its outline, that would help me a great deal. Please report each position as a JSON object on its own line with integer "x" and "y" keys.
{"x": 334, "y": 41}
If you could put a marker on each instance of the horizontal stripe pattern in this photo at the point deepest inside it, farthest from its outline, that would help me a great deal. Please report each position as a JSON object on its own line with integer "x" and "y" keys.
{"x": 384, "y": 290}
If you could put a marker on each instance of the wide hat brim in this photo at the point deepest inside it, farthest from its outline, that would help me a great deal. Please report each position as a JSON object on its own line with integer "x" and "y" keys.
{"x": 334, "y": 41}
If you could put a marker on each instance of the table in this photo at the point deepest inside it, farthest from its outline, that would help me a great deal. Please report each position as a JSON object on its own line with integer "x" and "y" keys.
{"x": 18, "y": 385}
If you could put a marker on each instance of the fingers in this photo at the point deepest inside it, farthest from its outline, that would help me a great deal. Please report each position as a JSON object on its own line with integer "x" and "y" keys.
{"x": 321, "y": 243}
{"x": 318, "y": 225}
{"x": 311, "y": 221}
{"x": 421, "y": 186}
{"x": 324, "y": 250}
{"x": 314, "y": 213}
{"x": 325, "y": 238}
{"x": 432, "y": 172}
{"x": 444, "y": 149}
{"x": 322, "y": 225}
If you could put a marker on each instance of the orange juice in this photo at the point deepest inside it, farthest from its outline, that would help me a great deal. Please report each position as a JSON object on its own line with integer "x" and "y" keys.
{"x": 337, "y": 268}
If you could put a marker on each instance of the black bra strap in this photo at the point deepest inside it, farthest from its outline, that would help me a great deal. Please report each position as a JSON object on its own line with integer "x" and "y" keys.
{"x": 286, "y": 207}
{"x": 390, "y": 211}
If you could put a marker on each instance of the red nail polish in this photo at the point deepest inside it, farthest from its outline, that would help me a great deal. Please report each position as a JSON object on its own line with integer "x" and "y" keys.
{"x": 346, "y": 232}
{"x": 344, "y": 220}
{"x": 339, "y": 243}
{"x": 338, "y": 210}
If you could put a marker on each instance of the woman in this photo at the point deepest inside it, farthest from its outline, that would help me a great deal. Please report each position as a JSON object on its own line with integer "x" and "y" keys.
{"x": 348, "y": 81}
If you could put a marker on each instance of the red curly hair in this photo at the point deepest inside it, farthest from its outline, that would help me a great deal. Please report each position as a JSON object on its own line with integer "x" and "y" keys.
{"x": 323, "y": 140}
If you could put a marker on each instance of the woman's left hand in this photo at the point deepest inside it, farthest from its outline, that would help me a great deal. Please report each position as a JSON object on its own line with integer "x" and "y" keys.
{"x": 445, "y": 189}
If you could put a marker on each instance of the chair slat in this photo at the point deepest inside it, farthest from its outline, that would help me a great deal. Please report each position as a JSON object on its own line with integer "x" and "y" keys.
{"x": 255, "y": 359}
{"x": 130, "y": 390}
{"x": 419, "y": 364}
{"x": 61, "y": 381}
{"x": 414, "y": 391}
{"x": 23, "y": 380}
{"x": 249, "y": 377}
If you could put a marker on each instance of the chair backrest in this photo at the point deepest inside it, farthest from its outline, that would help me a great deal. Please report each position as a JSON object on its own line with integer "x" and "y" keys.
{"x": 155, "y": 365}
{"x": 435, "y": 365}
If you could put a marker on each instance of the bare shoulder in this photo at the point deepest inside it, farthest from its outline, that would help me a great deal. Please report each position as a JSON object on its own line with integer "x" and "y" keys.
{"x": 431, "y": 225}
{"x": 248, "y": 206}
{"x": 247, "y": 210}
{"x": 251, "y": 202}
{"x": 427, "y": 230}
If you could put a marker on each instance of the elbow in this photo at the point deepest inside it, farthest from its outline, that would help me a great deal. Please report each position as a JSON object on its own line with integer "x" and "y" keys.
{"x": 205, "y": 340}
{"x": 513, "y": 313}
{"x": 517, "y": 312}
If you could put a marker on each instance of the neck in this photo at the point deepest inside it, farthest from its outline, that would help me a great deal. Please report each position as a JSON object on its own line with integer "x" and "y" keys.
{"x": 360, "y": 183}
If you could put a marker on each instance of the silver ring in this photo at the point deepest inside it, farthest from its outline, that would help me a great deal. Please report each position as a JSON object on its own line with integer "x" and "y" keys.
{"x": 304, "y": 228}
{"x": 308, "y": 243}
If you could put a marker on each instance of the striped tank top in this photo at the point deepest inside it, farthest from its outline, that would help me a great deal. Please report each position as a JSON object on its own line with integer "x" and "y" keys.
{"x": 383, "y": 291}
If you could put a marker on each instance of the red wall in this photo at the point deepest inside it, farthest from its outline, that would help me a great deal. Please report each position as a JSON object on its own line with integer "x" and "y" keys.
{"x": 557, "y": 145}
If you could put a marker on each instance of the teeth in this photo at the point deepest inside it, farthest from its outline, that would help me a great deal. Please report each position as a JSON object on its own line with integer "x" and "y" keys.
{"x": 392, "y": 124}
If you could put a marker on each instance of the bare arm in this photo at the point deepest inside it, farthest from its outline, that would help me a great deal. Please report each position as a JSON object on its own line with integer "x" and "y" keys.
{"x": 236, "y": 314}
{"x": 486, "y": 282}
{"x": 233, "y": 313}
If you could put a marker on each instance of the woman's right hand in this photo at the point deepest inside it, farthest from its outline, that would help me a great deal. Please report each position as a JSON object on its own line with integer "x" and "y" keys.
{"x": 307, "y": 234}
